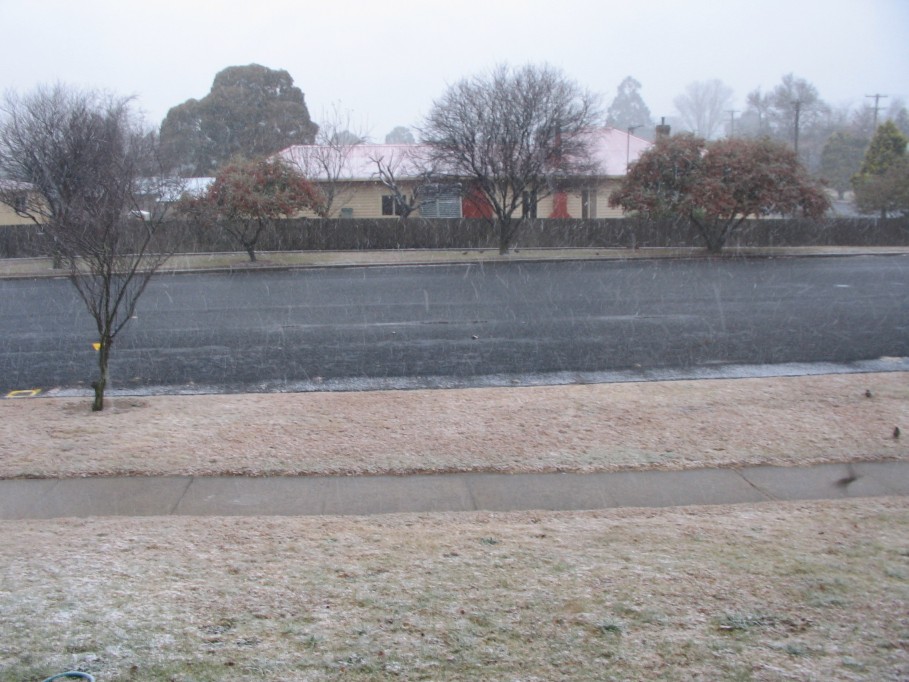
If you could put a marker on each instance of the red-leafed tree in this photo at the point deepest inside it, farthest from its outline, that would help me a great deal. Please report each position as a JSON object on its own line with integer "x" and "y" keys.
{"x": 717, "y": 185}
{"x": 247, "y": 196}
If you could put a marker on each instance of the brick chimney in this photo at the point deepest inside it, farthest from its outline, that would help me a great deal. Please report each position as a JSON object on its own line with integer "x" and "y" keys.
{"x": 662, "y": 130}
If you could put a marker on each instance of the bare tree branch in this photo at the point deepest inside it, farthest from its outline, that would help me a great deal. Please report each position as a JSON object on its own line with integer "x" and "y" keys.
{"x": 513, "y": 134}
{"x": 83, "y": 155}
{"x": 703, "y": 107}
{"x": 327, "y": 162}
{"x": 390, "y": 168}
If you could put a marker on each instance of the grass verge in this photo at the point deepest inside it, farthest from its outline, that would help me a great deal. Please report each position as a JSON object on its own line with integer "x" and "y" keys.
{"x": 774, "y": 591}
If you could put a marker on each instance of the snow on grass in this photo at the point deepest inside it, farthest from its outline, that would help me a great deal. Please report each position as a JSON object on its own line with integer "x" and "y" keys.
{"x": 596, "y": 427}
{"x": 773, "y": 591}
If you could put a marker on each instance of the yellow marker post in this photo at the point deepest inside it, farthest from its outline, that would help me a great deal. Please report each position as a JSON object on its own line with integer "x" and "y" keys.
{"x": 30, "y": 393}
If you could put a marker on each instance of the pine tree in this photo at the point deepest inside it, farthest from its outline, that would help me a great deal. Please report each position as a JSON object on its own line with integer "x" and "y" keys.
{"x": 841, "y": 159}
{"x": 628, "y": 108}
{"x": 882, "y": 184}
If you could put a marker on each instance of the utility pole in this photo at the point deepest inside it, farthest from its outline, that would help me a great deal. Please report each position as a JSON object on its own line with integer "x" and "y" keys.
{"x": 877, "y": 98}
{"x": 798, "y": 111}
{"x": 732, "y": 113}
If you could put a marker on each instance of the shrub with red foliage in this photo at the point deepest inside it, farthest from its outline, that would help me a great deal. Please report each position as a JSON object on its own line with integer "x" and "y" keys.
{"x": 717, "y": 185}
{"x": 247, "y": 195}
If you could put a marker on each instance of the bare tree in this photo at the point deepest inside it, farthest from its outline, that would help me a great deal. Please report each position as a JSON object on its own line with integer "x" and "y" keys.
{"x": 512, "y": 134}
{"x": 84, "y": 155}
{"x": 392, "y": 165}
{"x": 792, "y": 112}
{"x": 703, "y": 106}
{"x": 327, "y": 162}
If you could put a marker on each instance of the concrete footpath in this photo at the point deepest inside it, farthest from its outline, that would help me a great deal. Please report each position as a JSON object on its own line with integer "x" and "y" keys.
{"x": 29, "y": 268}
{"x": 458, "y": 492}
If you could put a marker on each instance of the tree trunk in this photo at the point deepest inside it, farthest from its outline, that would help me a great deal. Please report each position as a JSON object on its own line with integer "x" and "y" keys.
{"x": 713, "y": 238}
{"x": 715, "y": 244}
{"x": 506, "y": 233}
{"x": 251, "y": 250}
{"x": 716, "y": 233}
{"x": 101, "y": 383}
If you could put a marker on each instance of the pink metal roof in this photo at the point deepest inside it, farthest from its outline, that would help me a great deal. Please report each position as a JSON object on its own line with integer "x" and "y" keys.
{"x": 611, "y": 149}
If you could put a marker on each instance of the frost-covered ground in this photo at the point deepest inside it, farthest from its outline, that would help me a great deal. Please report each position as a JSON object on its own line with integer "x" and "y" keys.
{"x": 595, "y": 427}
{"x": 773, "y": 591}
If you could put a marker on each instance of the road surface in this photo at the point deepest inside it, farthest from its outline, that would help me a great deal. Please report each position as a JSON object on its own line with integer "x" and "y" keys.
{"x": 299, "y": 329}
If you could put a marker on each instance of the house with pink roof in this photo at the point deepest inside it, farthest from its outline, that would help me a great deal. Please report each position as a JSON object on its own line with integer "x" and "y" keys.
{"x": 388, "y": 180}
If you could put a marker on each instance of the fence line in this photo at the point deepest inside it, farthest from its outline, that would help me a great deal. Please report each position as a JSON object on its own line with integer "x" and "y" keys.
{"x": 420, "y": 233}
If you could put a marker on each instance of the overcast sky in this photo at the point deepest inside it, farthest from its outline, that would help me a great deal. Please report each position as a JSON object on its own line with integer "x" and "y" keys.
{"x": 385, "y": 62}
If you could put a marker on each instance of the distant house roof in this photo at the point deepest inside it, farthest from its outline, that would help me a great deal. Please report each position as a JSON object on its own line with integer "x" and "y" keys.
{"x": 611, "y": 150}
{"x": 359, "y": 160}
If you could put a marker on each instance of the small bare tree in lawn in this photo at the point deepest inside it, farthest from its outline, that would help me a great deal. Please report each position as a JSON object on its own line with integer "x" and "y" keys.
{"x": 512, "y": 135}
{"x": 247, "y": 196}
{"x": 718, "y": 185}
{"x": 84, "y": 155}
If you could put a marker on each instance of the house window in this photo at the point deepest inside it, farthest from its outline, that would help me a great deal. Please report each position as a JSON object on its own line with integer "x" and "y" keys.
{"x": 391, "y": 205}
{"x": 589, "y": 203}
{"x": 529, "y": 205}
{"x": 20, "y": 204}
{"x": 346, "y": 213}
{"x": 440, "y": 200}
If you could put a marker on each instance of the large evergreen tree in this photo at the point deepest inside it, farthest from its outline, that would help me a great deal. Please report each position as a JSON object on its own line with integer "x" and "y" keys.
{"x": 628, "y": 108}
{"x": 882, "y": 184}
{"x": 400, "y": 135}
{"x": 841, "y": 159}
{"x": 251, "y": 111}
{"x": 887, "y": 146}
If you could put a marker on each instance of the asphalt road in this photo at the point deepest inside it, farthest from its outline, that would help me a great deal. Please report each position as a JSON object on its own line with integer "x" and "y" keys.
{"x": 302, "y": 329}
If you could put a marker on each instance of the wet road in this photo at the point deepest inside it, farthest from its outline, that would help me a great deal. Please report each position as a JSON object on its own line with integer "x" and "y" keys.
{"x": 287, "y": 330}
